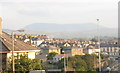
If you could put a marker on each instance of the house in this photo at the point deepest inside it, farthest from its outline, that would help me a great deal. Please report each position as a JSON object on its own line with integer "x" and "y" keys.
{"x": 42, "y": 57}
{"x": 50, "y": 48}
{"x": 26, "y": 40}
{"x": 20, "y": 48}
{"x": 37, "y": 42}
{"x": 91, "y": 50}
{"x": 58, "y": 57}
{"x": 66, "y": 44}
{"x": 74, "y": 50}
{"x": 109, "y": 49}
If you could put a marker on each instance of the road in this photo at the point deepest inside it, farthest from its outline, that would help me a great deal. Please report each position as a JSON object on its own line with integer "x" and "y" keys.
{"x": 114, "y": 66}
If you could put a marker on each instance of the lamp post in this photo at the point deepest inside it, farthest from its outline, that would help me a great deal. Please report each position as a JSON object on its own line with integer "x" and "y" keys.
{"x": 99, "y": 45}
{"x": 64, "y": 62}
{"x": 13, "y": 62}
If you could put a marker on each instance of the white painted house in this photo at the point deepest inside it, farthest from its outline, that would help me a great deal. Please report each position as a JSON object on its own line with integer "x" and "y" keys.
{"x": 26, "y": 40}
{"x": 37, "y": 42}
{"x": 91, "y": 50}
{"x": 58, "y": 57}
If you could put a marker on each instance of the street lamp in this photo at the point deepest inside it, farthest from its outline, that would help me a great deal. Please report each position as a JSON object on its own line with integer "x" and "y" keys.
{"x": 99, "y": 45}
{"x": 13, "y": 63}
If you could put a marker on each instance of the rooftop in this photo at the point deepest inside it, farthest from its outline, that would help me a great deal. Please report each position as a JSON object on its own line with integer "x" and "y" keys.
{"x": 18, "y": 46}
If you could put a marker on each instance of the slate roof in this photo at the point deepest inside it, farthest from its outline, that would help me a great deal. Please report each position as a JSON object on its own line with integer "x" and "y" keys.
{"x": 62, "y": 55}
{"x": 108, "y": 45}
{"x": 70, "y": 47}
{"x": 18, "y": 46}
{"x": 50, "y": 47}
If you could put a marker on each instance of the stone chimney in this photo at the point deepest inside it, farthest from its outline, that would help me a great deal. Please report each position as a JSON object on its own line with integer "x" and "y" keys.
{"x": 0, "y": 26}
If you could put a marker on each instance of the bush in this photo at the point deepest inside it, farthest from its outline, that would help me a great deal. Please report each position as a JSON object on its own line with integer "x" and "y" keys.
{"x": 25, "y": 64}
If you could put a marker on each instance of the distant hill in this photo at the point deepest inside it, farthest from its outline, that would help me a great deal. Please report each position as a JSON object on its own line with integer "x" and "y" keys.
{"x": 49, "y": 27}
{"x": 70, "y": 30}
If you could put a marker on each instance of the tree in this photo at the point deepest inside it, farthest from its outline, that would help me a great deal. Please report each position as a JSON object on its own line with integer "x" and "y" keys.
{"x": 102, "y": 56}
{"x": 81, "y": 39}
{"x": 25, "y": 64}
{"x": 81, "y": 69}
{"x": 89, "y": 59}
{"x": 79, "y": 63}
{"x": 94, "y": 40}
{"x": 51, "y": 55}
{"x": 76, "y": 63}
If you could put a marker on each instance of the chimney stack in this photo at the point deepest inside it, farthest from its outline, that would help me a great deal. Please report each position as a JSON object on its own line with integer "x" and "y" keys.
{"x": 0, "y": 26}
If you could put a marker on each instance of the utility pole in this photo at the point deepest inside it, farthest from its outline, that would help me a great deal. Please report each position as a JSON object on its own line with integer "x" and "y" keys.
{"x": 13, "y": 47}
{"x": 13, "y": 63}
{"x": 67, "y": 61}
{"x": 64, "y": 63}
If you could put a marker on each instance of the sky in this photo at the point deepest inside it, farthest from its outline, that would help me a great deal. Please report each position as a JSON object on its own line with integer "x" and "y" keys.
{"x": 17, "y": 14}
